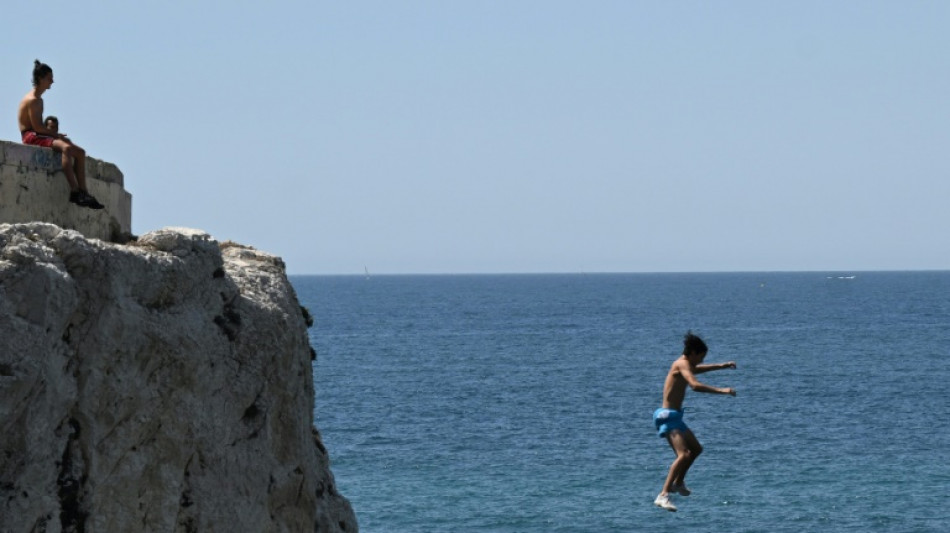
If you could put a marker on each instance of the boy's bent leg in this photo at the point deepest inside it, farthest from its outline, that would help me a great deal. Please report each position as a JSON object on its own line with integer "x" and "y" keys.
{"x": 694, "y": 449}
{"x": 687, "y": 447}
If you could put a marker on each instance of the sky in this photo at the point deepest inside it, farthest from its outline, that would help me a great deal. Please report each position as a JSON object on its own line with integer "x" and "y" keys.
{"x": 514, "y": 136}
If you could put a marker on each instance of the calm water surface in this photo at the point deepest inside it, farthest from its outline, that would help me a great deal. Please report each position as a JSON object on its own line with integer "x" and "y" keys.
{"x": 523, "y": 403}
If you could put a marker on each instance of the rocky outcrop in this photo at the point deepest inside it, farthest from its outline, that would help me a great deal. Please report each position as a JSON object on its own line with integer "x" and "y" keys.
{"x": 163, "y": 386}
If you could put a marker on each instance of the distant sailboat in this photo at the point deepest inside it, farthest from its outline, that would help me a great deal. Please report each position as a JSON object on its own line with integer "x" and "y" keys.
{"x": 366, "y": 270}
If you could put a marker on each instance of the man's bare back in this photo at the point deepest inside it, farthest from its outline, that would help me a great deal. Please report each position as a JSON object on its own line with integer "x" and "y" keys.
{"x": 30, "y": 103}
{"x": 23, "y": 112}
{"x": 30, "y": 114}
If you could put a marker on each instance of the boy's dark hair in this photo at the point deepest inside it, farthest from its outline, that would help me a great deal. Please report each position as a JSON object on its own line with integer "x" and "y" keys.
{"x": 40, "y": 70}
{"x": 51, "y": 117}
{"x": 692, "y": 344}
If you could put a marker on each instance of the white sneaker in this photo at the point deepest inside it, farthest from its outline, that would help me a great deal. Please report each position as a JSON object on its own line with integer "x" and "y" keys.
{"x": 663, "y": 501}
{"x": 681, "y": 489}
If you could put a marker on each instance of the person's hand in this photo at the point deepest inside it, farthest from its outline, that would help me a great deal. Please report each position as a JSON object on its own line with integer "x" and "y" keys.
{"x": 730, "y": 391}
{"x": 730, "y": 364}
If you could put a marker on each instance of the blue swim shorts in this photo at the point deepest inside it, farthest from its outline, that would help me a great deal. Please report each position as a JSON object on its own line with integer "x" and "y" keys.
{"x": 667, "y": 420}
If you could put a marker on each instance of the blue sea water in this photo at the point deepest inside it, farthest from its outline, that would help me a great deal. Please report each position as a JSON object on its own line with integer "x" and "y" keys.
{"x": 523, "y": 403}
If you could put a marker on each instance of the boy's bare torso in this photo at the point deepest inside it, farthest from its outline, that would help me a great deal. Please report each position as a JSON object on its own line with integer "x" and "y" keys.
{"x": 674, "y": 388}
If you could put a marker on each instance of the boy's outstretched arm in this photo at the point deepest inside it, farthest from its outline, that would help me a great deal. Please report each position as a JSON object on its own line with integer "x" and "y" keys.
{"x": 699, "y": 369}
{"x": 696, "y": 385}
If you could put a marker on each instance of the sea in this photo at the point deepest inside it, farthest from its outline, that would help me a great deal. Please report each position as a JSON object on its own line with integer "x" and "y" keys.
{"x": 523, "y": 403}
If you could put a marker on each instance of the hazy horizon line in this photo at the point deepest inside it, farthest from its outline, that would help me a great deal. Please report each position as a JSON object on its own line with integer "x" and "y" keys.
{"x": 609, "y": 273}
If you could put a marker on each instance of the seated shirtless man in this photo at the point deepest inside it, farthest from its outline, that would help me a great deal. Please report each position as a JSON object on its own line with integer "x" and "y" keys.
{"x": 35, "y": 132}
{"x": 669, "y": 418}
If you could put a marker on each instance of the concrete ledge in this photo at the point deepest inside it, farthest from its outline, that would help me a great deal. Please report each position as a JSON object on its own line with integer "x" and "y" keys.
{"x": 33, "y": 188}
{"x": 34, "y": 158}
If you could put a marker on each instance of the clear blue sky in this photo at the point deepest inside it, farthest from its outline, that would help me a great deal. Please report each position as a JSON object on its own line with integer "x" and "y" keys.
{"x": 514, "y": 136}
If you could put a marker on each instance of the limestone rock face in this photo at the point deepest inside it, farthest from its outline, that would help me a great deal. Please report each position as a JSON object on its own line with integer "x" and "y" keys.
{"x": 160, "y": 386}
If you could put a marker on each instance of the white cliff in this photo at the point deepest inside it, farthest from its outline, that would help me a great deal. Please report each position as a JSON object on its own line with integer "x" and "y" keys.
{"x": 162, "y": 386}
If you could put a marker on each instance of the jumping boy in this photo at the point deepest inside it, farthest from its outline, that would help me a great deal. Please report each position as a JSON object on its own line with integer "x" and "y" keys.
{"x": 35, "y": 132}
{"x": 669, "y": 418}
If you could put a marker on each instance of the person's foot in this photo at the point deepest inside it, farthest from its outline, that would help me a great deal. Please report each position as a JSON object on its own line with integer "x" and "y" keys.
{"x": 84, "y": 199}
{"x": 663, "y": 501}
{"x": 91, "y": 201}
{"x": 681, "y": 489}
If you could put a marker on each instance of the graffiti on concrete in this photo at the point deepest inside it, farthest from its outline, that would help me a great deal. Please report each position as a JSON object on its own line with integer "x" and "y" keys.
{"x": 45, "y": 158}
{"x": 20, "y": 155}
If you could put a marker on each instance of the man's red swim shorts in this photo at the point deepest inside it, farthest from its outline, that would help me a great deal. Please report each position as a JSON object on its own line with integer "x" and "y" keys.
{"x": 31, "y": 137}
